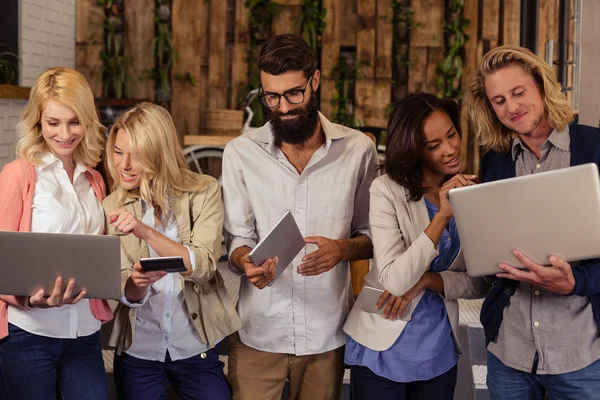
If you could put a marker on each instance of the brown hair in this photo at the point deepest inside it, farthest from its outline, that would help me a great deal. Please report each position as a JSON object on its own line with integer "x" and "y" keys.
{"x": 489, "y": 131}
{"x": 283, "y": 53}
{"x": 405, "y": 139}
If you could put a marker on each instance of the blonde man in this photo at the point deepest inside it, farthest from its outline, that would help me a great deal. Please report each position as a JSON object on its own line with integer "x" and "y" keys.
{"x": 541, "y": 323}
{"x": 49, "y": 342}
{"x": 167, "y": 325}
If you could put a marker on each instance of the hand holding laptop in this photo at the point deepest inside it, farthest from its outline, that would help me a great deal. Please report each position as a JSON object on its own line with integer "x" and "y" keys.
{"x": 58, "y": 297}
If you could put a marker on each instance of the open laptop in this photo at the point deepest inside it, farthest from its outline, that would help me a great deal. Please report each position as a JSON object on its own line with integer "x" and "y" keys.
{"x": 30, "y": 261}
{"x": 550, "y": 213}
{"x": 284, "y": 240}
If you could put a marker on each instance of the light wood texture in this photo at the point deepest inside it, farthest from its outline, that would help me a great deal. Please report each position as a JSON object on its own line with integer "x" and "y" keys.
{"x": 216, "y": 63}
{"x": 491, "y": 22}
{"x": 511, "y": 28}
{"x": 365, "y": 43}
{"x": 430, "y": 15}
{"x": 207, "y": 140}
{"x": 241, "y": 46}
{"x": 190, "y": 40}
{"x": 385, "y": 38}
{"x": 139, "y": 21}
{"x": 14, "y": 92}
{"x": 372, "y": 97}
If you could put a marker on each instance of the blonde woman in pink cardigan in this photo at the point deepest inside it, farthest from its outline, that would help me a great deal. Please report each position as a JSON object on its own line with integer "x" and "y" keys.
{"x": 49, "y": 342}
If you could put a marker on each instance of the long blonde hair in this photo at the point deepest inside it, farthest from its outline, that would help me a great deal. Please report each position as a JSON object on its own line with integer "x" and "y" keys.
{"x": 154, "y": 142}
{"x": 489, "y": 131}
{"x": 69, "y": 88}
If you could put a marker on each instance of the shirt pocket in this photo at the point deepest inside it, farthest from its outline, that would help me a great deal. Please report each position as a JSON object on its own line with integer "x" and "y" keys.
{"x": 336, "y": 200}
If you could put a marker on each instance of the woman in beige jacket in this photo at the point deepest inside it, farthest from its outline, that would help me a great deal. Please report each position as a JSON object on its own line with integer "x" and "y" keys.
{"x": 417, "y": 259}
{"x": 167, "y": 324}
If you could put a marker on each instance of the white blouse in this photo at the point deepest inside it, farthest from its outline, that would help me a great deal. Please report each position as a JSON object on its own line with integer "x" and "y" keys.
{"x": 60, "y": 206}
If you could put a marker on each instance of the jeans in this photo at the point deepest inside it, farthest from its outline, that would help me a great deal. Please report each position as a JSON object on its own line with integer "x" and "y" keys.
{"x": 366, "y": 385}
{"x": 506, "y": 383}
{"x": 194, "y": 378}
{"x": 44, "y": 368}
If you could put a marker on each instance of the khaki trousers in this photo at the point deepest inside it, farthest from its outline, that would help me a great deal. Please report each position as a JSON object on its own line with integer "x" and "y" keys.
{"x": 259, "y": 375}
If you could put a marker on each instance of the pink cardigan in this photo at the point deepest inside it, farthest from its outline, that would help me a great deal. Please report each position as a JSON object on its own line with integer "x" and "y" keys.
{"x": 15, "y": 215}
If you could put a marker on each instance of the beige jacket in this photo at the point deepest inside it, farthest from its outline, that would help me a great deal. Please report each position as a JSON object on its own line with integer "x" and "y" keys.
{"x": 200, "y": 219}
{"x": 402, "y": 253}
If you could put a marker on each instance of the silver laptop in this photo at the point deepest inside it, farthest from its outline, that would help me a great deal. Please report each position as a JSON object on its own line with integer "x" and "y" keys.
{"x": 284, "y": 240}
{"x": 30, "y": 261}
{"x": 550, "y": 213}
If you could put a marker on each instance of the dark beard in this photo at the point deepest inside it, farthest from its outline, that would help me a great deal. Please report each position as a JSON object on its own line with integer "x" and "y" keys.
{"x": 299, "y": 129}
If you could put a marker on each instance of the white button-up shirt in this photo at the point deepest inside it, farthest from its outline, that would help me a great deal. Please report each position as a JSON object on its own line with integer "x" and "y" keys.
{"x": 162, "y": 322}
{"x": 297, "y": 314}
{"x": 60, "y": 206}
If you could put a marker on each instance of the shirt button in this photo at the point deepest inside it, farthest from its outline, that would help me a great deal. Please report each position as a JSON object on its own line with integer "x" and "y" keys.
{"x": 537, "y": 292}
{"x": 538, "y": 166}
{"x": 203, "y": 356}
{"x": 167, "y": 337}
{"x": 536, "y": 324}
{"x": 168, "y": 315}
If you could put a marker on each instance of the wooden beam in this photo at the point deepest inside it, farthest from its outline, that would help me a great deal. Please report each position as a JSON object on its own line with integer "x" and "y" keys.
{"x": 435, "y": 56}
{"x": 216, "y": 62}
{"x": 491, "y": 22}
{"x": 372, "y": 99}
{"x": 14, "y": 92}
{"x": 548, "y": 28}
{"x": 190, "y": 140}
{"x": 189, "y": 38}
{"x": 417, "y": 70}
{"x": 511, "y": 24}
{"x": 286, "y": 20}
{"x": 241, "y": 47}
{"x": 366, "y": 42}
{"x": 348, "y": 24}
{"x": 471, "y": 62}
{"x": 89, "y": 42}
{"x": 385, "y": 39}
{"x": 429, "y": 14}
{"x": 330, "y": 53}
{"x": 139, "y": 22}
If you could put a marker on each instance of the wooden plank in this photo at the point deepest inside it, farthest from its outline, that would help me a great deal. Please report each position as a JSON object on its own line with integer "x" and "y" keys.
{"x": 435, "y": 57}
{"x": 139, "y": 21}
{"x": 287, "y": 20}
{"x": 330, "y": 53}
{"x": 349, "y": 23}
{"x": 365, "y": 40}
{"x": 14, "y": 92}
{"x": 548, "y": 26}
{"x": 190, "y": 140}
{"x": 241, "y": 46}
{"x": 385, "y": 39}
{"x": 490, "y": 29}
{"x": 471, "y": 62}
{"x": 189, "y": 38}
{"x": 216, "y": 63}
{"x": 372, "y": 98}
{"x": 511, "y": 32}
{"x": 289, "y": 2}
{"x": 429, "y": 14}
{"x": 417, "y": 72}
{"x": 89, "y": 42}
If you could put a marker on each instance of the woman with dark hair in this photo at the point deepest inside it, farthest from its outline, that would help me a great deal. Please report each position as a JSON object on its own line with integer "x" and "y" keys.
{"x": 417, "y": 260}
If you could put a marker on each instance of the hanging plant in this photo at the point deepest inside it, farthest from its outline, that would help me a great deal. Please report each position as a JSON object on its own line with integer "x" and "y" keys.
{"x": 260, "y": 13}
{"x": 9, "y": 65}
{"x": 311, "y": 25}
{"x": 450, "y": 70}
{"x": 344, "y": 76}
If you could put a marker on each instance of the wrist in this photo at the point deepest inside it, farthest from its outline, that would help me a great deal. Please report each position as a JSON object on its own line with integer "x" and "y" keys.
{"x": 442, "y": 217}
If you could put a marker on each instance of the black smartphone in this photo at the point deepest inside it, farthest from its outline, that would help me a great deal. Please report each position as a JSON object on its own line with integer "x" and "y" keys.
{"x": 167, "y": 264}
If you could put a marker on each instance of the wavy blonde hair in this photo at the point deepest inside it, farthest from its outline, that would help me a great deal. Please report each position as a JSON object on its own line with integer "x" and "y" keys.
{"x": 489, "y": 131}
{"x": 154, "y": 142}
{"x": 69, "y": 88}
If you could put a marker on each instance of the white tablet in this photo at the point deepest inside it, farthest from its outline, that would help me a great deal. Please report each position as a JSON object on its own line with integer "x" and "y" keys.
{"x": 284, "y": 241}
{"x": 30, "y": 261}
{"x": 550, "y": 213}
{"x": 368, "y": 298}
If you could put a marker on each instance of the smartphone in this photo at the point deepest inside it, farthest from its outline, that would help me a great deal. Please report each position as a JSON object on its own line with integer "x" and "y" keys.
{"x": 167, "y": 264}
{"x": 368, "y": 298}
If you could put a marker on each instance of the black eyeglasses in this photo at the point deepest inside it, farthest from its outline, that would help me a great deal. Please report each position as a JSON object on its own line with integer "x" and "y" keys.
{"x": 293, "y": 96}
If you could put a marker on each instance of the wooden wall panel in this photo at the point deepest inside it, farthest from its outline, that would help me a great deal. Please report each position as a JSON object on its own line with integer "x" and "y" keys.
{"x": 470, "y": 69}
{"x": 139, "y": 25}
{"x": 417, "y": 72}
{"x": 287, "y": 19}
{"x": 190, "y": 40}
{"x": 548, "y": 28}
{"x": 349, "y": 23}
{"x": 491, "y": 22}
{"x": 365, "y": 42}
{"x": 430, "y": 15}
{"x": 330, "y": 53}
{"x": 89, "y": 39}
{"x": 385, "y": 38}
{"x": 511, "y": 25}
{"x": 372, "y": 98}
{"x": 217, "y": 81}
{"x": 241, "y": 46}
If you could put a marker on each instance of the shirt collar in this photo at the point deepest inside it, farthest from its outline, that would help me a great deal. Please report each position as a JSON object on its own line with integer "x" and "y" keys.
{"x": 49, "y": 159}
{"x": 332, "y": 131}
{"x": 558, "y": 138}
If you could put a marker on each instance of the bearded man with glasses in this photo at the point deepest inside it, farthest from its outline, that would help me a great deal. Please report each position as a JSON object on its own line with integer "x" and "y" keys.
{"x": 321, "y": 172}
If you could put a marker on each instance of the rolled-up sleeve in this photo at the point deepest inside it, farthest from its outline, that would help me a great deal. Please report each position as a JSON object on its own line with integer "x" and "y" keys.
{"x": 240, "y": 223}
